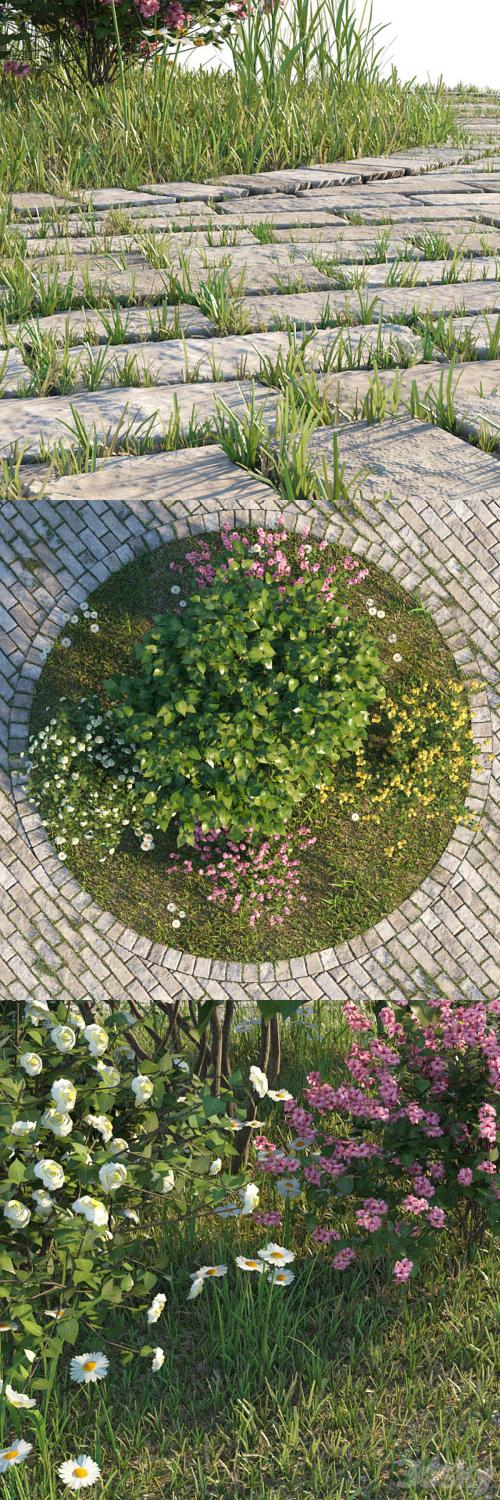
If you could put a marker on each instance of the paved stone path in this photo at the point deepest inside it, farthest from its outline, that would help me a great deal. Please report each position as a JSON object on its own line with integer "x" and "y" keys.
{"x": 396, "y": 257}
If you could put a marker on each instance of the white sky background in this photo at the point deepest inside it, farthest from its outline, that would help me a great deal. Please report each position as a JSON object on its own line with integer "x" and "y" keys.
{"x": 429, "y": 38}
{"x": 449, "y": 37}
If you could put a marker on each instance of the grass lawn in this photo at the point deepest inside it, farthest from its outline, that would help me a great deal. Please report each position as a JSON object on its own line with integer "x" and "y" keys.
{"x": 367, "y": 857}
{"x": 56, "y": 138}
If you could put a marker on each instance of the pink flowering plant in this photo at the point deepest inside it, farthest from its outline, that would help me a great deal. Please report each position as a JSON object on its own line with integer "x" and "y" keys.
{"x": 405, "y": 1148}
{"x": 93, "y": 37}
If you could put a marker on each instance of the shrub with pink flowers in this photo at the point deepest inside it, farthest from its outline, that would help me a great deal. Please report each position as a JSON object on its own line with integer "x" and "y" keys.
{"x": 89, "y": 35}
{"x": 405, "y": 1149}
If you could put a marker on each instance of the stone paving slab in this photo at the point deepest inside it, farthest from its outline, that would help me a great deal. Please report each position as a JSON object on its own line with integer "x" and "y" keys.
{"x": 424, "y": 489}
{"x": 14, "y": 373}
{"x": 349, "y": 389}
{"x": 138, "y": 323}
{"x": 203, "y": 192}
{"x": 307, "y": 309}
{"x": 31, "y": 426}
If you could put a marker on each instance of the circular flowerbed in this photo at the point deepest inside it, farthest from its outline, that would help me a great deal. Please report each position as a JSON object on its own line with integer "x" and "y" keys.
{"x": 250, "y": 745}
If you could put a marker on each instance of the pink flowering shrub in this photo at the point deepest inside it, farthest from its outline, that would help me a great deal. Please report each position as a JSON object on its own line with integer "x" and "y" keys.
{"x": 83, "y": 32}
{"x": 406, "y": 1147}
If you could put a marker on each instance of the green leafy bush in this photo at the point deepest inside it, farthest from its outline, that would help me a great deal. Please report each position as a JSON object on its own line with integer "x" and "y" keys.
{"x": 245, "y": 699}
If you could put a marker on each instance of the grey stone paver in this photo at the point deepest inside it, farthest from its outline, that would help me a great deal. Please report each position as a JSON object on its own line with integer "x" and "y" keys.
{"x": 14, "y": 373}
{"x": 138, "y": 323}
{"x": 428, "y": 510}
{"x": 34, "y": 425}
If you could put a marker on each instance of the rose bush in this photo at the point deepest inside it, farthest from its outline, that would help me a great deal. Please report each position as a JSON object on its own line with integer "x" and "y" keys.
{"x": 103, "y": 1135}
{"x": 90, "y": 34}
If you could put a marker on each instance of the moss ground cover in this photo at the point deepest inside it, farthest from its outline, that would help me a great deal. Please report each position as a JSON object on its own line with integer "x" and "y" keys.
{"x": 362, "y": 845}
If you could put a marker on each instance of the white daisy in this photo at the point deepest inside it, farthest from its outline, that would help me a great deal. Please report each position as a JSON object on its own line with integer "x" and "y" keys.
{"x": 288, "y": 1187}
{"x": 79, "y": 1473}
{"x": 246, "y": 1264}
{"x": 281, "y": 1278}
{"x": 86, "y": 1369}
{"x": 14, "y": 1455}
{"x": 196, "y": 1288}
{"x": 276, "y": 1255}
{"x": 18, "y": 1398}
{"x": 208, "y": 1271}
{"x": 279, "y": 1096}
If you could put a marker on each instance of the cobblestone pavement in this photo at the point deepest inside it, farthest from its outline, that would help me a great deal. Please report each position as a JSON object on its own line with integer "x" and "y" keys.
{"x": 393, "y": 259}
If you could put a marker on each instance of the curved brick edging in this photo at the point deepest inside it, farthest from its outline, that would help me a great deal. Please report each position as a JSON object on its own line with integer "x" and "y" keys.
{"x": 381, "y": 959}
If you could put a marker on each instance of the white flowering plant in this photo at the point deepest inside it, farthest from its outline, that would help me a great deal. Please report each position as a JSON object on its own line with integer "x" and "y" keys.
{"x": 104, "y": 1134}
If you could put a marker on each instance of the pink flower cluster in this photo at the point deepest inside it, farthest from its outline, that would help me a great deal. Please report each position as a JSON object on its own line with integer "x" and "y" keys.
{"x": 16, "y": 69}
{"x": 265, "y": 878}
{"x": 441, "y": 1052}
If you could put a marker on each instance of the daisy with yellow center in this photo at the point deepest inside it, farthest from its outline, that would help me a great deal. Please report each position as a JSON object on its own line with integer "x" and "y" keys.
{"x": 14, "y": 1455}
{"x": 281, "y": 1278}
{"x": 249, "y": 1265}
{"x": 78, "y": 1473}
{"x": 276, "y": 1255}
{"x": 209, "y": 1271}
{"x": 86, "y": 1369}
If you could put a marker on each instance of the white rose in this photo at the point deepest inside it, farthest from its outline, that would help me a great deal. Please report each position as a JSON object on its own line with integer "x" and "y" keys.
{"x": 103, "y": 1124}
{"x": 117, "y": 1145}
{"x": 31, "y": 1064}
{"x": 64, "y": 1038}
{"x": 93, "y": 1211}
{"x": 64, "y": 1093}
{"x": 97, "y": 1038}
{"x": 58, "y": 1121}
{"x": 155, "y": 1311}
{"x": 259, "y": 1081}
{"x": 16, "y": 1213}
{"x": 22, "y": 1127}
{"x": 215, "y": 1167}
{"x": 142, "y": 1088}
{"x": 50, "y": 1173}
{"x": 167, "y": 1182}
{"x": 44, "y": 1202}
{"x": 112, "y": 1176}
{"x": 158, "y": 1359}
{"x": 108, "y": 1074}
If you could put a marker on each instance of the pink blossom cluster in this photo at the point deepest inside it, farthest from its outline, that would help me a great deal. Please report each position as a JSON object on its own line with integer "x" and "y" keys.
{"x": 271, "y": 1220}
{"x": 265, "y": 878}
{"x": 441, "y": 1053}
{"x": 16, "y": 69}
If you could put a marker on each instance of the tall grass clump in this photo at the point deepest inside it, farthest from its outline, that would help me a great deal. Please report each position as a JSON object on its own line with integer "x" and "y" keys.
{"x": 304, "y": 84}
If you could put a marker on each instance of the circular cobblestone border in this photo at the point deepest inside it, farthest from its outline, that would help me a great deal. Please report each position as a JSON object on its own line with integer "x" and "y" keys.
{"x": 328, "y": 966}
